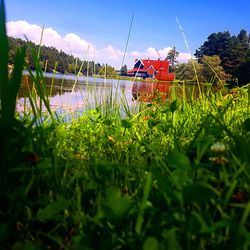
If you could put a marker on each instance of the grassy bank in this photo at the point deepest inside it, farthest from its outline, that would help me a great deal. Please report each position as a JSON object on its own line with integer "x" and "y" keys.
{"x": 174, "y": 175}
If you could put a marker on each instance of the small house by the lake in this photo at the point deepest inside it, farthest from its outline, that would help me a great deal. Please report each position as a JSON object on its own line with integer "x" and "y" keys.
{"x": 155, "y": 69}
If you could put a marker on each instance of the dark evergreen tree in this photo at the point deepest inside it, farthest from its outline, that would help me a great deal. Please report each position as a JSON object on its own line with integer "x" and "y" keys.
{"x": 124, "y": 70}
{"x": 172, "y": 55}
{"x": 232, "y": 50}
{"x": 219, "y": 44}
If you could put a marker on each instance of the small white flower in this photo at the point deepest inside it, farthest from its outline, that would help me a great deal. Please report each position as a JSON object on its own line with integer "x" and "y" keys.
{"x": 218, "y": 147}
{"x": 66, "y": 213}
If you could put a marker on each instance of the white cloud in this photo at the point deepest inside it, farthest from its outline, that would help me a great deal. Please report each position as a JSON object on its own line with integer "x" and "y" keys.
{"x": 33, "y": 32}
{"x": 79, "y": 47}
{"x": 183, "y": 57}
{"x": 152, "y": 53}
{"x": 111, "y": 53}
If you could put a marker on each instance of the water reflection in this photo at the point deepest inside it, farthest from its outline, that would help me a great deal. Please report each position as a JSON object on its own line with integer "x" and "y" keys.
{"x": 147, "y": 91}
{"x": 69, "y": 93}
{"x": 150, "y": 91}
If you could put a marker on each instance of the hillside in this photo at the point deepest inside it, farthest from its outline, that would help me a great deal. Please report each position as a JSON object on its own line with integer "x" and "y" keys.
{"x": 52, "y": 59}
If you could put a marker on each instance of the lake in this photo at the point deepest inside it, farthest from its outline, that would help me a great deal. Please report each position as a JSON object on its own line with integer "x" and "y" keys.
{"x": 70, "y": 93}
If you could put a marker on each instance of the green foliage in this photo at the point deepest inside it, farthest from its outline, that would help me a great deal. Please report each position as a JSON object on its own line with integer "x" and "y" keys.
{"x": 10, "y": 128}
{"x": 233, "y": 51}
{"x": 107, "y": 71}
{"x": 198, "y": 192}
{"x": 243, "y": 73}
{"x": 212, "y": 70}
{"x": 171, "y": 56}
{"x": 186, "y": 71}
{"x": 209, "y": 70}
{"x": 124, "y": 70}
{"x": 50, "y": 57}
{"x": 173, "y": 176}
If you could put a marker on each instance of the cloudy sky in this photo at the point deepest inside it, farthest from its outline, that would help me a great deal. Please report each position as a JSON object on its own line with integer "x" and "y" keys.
{"x": 98, "y": 29}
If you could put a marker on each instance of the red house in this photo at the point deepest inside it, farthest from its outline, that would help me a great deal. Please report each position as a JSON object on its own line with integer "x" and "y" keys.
{"x": 156, "y": 69}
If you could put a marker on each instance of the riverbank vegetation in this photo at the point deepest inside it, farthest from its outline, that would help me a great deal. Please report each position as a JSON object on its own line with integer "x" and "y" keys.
{"x": 173, "y": 175}
{"x": 222, "y": 58}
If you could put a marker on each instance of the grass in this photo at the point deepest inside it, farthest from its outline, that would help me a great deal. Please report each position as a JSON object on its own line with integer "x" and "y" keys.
{"x": 174, "y": 175}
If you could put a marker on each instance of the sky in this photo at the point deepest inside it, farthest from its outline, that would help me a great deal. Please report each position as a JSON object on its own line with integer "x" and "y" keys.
{"x": 98, "y": 30}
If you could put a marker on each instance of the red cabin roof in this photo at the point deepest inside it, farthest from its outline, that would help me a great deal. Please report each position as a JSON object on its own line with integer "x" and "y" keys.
{"x": 145, "y": 64}
{"x": 158, "y": 68}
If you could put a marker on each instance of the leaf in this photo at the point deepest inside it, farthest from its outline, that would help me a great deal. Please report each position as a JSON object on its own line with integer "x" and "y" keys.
{"x": 201, "y": 223}
{"x": 126, "y": 123}
{"x": 144, "y": 204}
{"x": 15, "y": 81}
{"x": 180, "y": 177}
{"x": 171, "y": 238}
{"x": 241, "y": 149}
{"x": 173, "y": 106}
{"x": 153, "y": 122}
{"x": 27, "y": 245}
{"x": 3, "y": 62}
{"x": 151, "y": 243}
{"x": 115, "y": 205}
{"x": 198, "y": 192}
{"x": 53, "y": 211}
{"x": 164, "y": 185}
{"x": 5, "y": 231}
{"x": 246, "y": 124}
{"x": 196, "y": 223}
{"x": 3, "y": 45}
{"x": 178, "y": 160}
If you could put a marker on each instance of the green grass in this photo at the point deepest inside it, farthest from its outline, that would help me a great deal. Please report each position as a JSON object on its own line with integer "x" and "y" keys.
{"x": 174, "y": 175}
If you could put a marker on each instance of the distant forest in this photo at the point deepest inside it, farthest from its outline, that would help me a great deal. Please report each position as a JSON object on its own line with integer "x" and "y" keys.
{"x": 223, "y": 56}
{"x": 54, "y": 60}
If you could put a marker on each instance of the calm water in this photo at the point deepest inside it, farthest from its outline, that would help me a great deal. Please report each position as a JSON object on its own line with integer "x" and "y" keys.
{"x": 92, "y": 92}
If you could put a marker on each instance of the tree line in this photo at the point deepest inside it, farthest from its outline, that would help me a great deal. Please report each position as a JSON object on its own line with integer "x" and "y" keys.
{"x": 53, "y": 60}
{"x": 222, "y": 57}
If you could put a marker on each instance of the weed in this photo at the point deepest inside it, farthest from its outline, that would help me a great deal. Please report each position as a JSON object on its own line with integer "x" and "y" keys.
{"x": 174, "y": 175}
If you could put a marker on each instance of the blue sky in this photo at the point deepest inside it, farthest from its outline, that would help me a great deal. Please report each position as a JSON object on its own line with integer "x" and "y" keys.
{"x": 98, "y": 29}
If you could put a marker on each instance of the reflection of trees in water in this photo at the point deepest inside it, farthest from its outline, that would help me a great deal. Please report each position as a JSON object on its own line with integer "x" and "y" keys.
{"x": 57, "y": 86}
{"x": 149, "y": 91}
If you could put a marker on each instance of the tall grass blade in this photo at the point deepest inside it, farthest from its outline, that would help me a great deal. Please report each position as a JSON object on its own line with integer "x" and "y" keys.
{"x": 129, "y": 33}
{"x": 40, "y": 43}
{"x": 125, "y": 52}
{"x": 8, "y": 95}
{"x": 80, "y": 69}
{"x": 15, "y": 81}
{"x": 3, "y": 97}
{"x": 189, "y": 50}
{"x": 3, "y": 60}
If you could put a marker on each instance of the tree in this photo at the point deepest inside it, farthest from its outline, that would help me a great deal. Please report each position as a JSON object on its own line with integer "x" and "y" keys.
{"x": 124, "y": 70}
{"x": 171, "y": 56}
{"x": 212, "y": 70}
{"x": 232, "y": 50}
{"x": 52, "y": 59}
{"x": 189, "y": 71}
{"x": 243, "y": 72}
{"x": 110, "y": 71}
{"x": 217, "y": 44}
{"x": 208, "y": 70}
{"x": 107, "y": 71}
